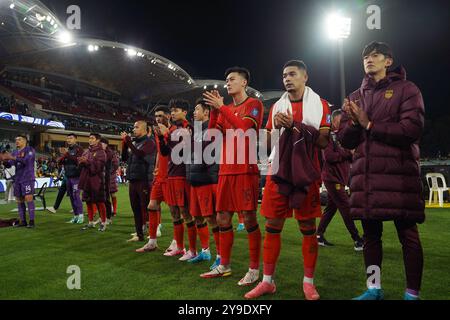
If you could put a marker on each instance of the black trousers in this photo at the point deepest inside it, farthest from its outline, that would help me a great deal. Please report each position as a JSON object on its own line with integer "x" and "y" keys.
{"x": 408, "y": 235}
{"x": 139, "y": 197}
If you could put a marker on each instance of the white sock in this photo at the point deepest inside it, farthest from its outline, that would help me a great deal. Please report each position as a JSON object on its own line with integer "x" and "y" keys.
{"x": 218, "y": 256}
{"x": 152, "y": 241}
{"x": 254, "y": 270}
{"x": 308, "y": 280}
{"x": 206, "y": 250}
{"x": 267, "y": 279}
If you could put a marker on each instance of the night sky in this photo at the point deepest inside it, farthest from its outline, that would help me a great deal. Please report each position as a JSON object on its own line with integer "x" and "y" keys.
{"x": 206, "y": 37}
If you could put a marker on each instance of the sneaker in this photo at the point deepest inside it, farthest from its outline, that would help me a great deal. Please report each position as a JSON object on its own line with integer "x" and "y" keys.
{"x": 108, "y": 222}
{"x": 409, "y": 296}
{"x": 133, "y": 234}
{"x": 323, "y": 242}
{"x": 215, "y": 264}
{"x": 135, "y": 239}
{"x": 173, "y": 246}
{"x": 31, "y": 224}
{"x": 102, "y": 227}
{"x": 176, "y": 252}
{"x": 97, "y": 222}
{"x": 219, "y": 271}
{"x": 359, "y": 246}
{"x": 20, "y": 224}
{"x": 250, "y": 277}
{"x": 51, "y": 209}
{"x": 80, "y": 219}
{"x": 71, "y": 211}
{"x": 240, "y": 227}
{"x": 149, "y": 247}
{"x": 371, "y": 294}
{"x": 262, "y": 288}
{"x": 158, "y": 231}
{"x": 90, "y": 225}
{"x": 205, "y": 255}
{"x": 310, "y": 291}
{"x": 188, "y": 256}
{"x": 73, "y": 220}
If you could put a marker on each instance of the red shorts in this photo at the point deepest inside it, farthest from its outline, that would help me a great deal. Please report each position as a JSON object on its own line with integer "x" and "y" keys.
{"x": 177, "y": 192}
{"x": 275, "y": 205}
{"x": 159, "y": 191}
{"x": 236, "y": 193}
{"x": 202, "y": 200}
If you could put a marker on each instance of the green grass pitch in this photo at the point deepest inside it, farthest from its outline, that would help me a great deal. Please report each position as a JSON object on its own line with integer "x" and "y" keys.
{"x": 33, "y": 263}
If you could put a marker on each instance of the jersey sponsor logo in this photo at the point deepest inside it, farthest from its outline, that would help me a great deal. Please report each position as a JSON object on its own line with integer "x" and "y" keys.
{"x": 329, "y": 118}
{"x": 255, "y": 112}
{"x": 388, "y": 94}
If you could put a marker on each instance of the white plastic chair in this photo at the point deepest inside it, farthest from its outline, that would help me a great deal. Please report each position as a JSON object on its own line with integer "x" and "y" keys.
{"x": 434, "y": 187}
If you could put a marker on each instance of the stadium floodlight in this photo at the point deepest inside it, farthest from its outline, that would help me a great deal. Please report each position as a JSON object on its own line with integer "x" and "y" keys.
{"x": 338, "y": 26}
{"x": 92, "y": 48}
{"x": 204, "y": 87}
{"x": 64, "y": 37}
{"x": 12, "y": 5}
{"x": 215, "y": 86}
{"x": 131, "y": 52}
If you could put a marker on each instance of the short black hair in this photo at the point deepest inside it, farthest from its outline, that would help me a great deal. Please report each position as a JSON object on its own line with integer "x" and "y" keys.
{"x": 179, "y": 103}
{"x": 22, "y": 135}
{"x": 378, "y": 47}
{"x": 336, "y": 113}
{"x": 104, "y": 140}
{"x": 162, "y": 108}
{"x": 296, "y": 63}
{"x": 73, "y": 135}
{"x": 242, "y": 71}
{"x": 96, "y": 135}
{"x": 202, "y": 102}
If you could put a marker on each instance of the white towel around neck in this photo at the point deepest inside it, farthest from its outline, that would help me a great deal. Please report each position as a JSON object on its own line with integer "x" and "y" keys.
{"x": 312, "y": 111}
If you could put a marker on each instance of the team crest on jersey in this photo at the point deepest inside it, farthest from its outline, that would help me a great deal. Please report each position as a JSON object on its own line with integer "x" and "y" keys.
{"x": 329, "y": 118}
{"x": 95, "y": 153}
{"x": 388, "y": 94}
{"x": 255, "y": 112}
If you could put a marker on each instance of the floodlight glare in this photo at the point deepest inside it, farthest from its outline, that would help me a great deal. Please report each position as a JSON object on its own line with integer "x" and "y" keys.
{"x": 338, "y": 27}
{"x": 131, "y": 52}
{"x": 64, "y": 37}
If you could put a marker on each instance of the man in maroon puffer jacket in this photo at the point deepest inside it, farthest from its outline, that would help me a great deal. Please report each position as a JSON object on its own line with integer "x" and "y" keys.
{"x": 385, "y": 123}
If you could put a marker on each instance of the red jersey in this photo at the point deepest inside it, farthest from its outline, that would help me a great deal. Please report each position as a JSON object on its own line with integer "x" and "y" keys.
{"x": 245, "y": 116}
{"x": 163, "y": 164}
{"x": 297, "y": 113}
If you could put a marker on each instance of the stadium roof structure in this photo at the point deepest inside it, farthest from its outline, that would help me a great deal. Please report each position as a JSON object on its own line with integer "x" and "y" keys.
{"x": 32, "y": 37}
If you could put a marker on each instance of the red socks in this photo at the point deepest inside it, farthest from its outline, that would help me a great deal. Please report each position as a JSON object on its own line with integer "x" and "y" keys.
{"x": 254, "y": 246}
{"x": 310, "y": 251}
{"x": 216, "y": 235}
{"x": 192, "y": 236}
{"x": 178, "y": 232}
{"x": 203, "y": 234}
{"x": 102, "y": 208}
{"x": 90, "y": 210}
{"x": 114, "y": 204}
{"x": 272, "y": 248}
{"x": 226, "y": 243}
{"x": 153, "y": 224}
